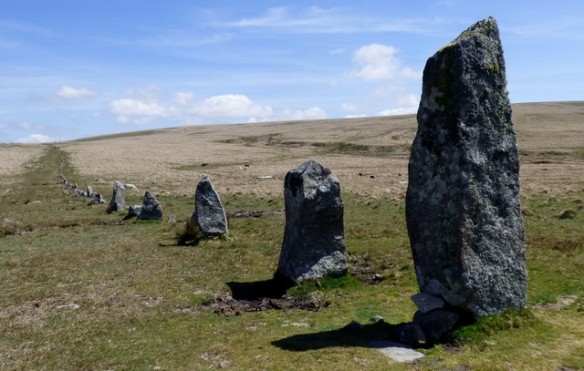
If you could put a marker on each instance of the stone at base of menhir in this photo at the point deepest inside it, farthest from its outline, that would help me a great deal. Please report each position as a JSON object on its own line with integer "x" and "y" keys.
{"x": 314, "y": 242}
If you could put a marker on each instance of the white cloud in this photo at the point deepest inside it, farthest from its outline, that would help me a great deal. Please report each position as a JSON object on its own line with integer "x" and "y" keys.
{"x": 69, "y": 92}
{"x": 231, "y": 105}
{"x": 136, "y": 111}
{"x": 398, "y": 111}
{"x": 313, "y": 113}
{"x": 350, "y": 107}
{"x": 24, "y": 125}
{"x": 34, "y": 139}
{"x": 380, "y": 62}
{"x": 183, "y": 98}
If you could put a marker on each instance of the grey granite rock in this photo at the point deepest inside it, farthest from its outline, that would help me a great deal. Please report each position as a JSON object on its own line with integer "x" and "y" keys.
{"x": 151, "y": 208}
{"x": 209, "y": 218}
{"x": 118, "y": 200}
{"x": 462, "y": 204}
{"x": 426, "y": 303}
{"x": 314, "y": 241}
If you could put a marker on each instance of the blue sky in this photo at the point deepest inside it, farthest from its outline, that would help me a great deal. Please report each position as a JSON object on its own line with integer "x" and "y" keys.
{"x": 77, "y": 68}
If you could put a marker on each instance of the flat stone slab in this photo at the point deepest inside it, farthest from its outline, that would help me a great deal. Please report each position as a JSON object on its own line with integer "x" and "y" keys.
{"x": 396, "y": 351}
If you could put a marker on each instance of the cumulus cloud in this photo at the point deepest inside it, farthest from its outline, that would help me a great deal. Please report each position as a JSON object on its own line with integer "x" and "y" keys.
{"x": 380, "y": 62}
{"x": 35, "y": 139}
{"x": 130, "y": 110}
{"x": 183, "y": 98}
{"x": 350, "y": 107}
{"x": 231, "y": 105}
{"x": 313, "y": 113}
{"x": 69, "y": 92}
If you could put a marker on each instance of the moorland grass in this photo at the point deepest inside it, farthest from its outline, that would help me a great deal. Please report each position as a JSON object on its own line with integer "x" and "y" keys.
{"x": 80, "y": 289}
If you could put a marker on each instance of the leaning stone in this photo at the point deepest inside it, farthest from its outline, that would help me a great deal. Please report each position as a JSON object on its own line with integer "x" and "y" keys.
{"x": 151, "y": 209}
{"x": 118, "y": 200}
{"x": 426, "y": 303}
{"x": 209, "y": 218}
{"x": 314, "y": 241}
{"x": 462, "y": 204}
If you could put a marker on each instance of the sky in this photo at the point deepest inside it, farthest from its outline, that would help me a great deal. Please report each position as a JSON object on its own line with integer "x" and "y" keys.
{"x": 77, "y": 68}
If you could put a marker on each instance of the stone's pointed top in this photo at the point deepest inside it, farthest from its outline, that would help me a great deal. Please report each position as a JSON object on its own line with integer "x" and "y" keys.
{"x": 204, "y": 177}
{"x": 487, "y": 27}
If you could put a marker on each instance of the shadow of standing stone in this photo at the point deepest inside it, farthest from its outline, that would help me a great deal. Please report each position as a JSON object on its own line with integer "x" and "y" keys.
{"x": 462, "y": 205}
{"x": 314, "y": 241}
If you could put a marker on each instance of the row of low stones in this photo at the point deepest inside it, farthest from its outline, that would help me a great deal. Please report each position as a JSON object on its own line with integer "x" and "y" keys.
{"x": 462, "y": 203}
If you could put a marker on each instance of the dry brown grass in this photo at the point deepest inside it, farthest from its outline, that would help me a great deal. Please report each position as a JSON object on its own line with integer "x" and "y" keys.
{"x": 550, "y": 138}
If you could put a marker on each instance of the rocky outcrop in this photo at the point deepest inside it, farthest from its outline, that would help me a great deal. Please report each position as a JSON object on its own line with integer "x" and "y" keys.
{"x": 462, "y": 204}
{"x": 314, "y": 242}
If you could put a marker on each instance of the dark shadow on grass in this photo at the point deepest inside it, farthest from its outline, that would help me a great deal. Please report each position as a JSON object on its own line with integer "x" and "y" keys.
{"x": 353, "y": 335}
{"x": 273, "y": 288}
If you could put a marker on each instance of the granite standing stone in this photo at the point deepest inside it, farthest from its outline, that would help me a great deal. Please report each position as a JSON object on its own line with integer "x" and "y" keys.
{"x": 462, "y": 204}
{"x": 209, "y": 218}
{"x": 314, "y": 241}
{"x": 151, "y": 209}
{"x": 118, "y": 201}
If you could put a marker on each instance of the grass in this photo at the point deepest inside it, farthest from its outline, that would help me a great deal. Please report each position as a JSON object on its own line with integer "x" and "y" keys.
{"x": 80, "y": 289}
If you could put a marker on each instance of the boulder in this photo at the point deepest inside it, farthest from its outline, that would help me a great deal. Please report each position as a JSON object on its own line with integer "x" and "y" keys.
{"x": 118, "y": 200}
{"x": 462, "y": 204}
{"x": 209, "y": 218}
{"x": 151, "y": 209}
{"x": 314, "y": 241}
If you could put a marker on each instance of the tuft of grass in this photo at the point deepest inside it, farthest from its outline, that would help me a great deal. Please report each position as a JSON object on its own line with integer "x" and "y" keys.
{"x": 327, "y": 284}
{"x": 489, "y": 326}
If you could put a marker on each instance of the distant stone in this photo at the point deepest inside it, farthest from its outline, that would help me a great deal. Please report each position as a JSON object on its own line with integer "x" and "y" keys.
{"x": 426, "y": 303}
{"x": 97, "y": 199}
{"x": 118, "y": 200}
{"x": 89, "y": 191}
{"x": 151, "y": 208}
{"x": 171, "y": 219}
{"x": 567, "y": 214}
{"x": 462, "y": 204}
{"x": 314, "y": 241}
{"x": 209, "y": 218}
{"x": 130, "y": 186}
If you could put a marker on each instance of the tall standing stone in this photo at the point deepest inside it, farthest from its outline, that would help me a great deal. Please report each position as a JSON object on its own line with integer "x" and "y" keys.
{"x": 209, "y": 218}
{"x": 314, "y": 241}
{"x": 462, "y": 204}
{"x": 118, "y": 201}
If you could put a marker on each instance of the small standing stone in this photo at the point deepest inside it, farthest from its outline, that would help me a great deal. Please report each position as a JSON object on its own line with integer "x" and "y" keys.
{"x": 151, "y": 209}
{"x": 209, "y": 218}
{"x": 118, "y": 201}
{"x": 314, "y": 241}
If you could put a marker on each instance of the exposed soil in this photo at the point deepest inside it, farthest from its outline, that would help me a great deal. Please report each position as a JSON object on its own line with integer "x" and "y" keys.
{"x": 227, "y": 306}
